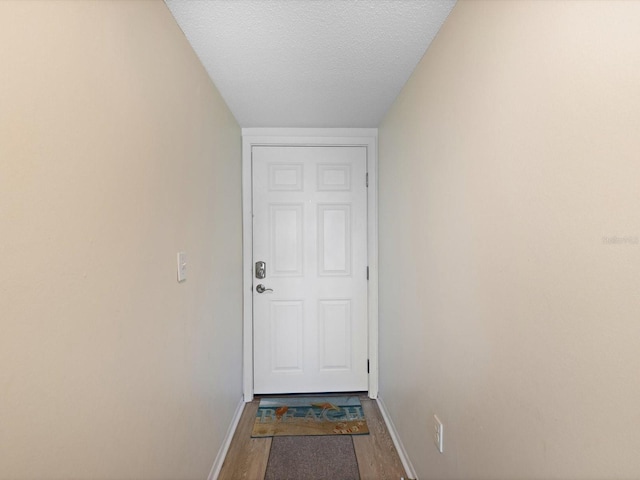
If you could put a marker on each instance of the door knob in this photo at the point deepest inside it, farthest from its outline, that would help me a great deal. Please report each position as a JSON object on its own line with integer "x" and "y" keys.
{"x": 261, "y": 289}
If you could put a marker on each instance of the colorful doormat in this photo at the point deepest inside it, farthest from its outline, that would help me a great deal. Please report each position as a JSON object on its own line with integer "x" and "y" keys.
{"x": 309, "y": 416}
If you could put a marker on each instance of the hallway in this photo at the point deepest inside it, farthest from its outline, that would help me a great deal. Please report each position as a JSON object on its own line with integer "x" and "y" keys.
{"x": 508, "y": 237}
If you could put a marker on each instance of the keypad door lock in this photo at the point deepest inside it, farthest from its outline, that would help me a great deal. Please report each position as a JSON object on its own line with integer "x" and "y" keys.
{"x": 261, "y": 270}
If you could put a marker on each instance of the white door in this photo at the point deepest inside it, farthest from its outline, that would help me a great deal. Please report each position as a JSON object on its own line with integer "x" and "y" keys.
{"x": 310, "y": 230}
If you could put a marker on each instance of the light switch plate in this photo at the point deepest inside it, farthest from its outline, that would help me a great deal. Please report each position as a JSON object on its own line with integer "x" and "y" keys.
{"x": 182, "y": 266}
{"x": 438, "y": 433}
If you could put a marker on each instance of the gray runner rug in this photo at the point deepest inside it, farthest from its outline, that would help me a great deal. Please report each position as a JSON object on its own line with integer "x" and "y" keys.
{"x": 312, "y": 458}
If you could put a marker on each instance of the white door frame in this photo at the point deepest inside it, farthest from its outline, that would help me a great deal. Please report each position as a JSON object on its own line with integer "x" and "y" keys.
{"x": 366, "y": 137}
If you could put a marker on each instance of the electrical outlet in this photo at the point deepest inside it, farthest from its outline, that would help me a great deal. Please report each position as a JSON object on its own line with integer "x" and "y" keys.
{"x": 438, "y": 431}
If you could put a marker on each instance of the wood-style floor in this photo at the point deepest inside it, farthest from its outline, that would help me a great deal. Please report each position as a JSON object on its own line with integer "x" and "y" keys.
{"x": 376, "y": 454}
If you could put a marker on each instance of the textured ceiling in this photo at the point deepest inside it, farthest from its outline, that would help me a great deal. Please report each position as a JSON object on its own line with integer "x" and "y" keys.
{"x": 310, "y": 63}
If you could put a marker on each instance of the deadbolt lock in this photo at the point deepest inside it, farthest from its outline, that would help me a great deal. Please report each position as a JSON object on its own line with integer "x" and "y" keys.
{"x": 261, "y": 270}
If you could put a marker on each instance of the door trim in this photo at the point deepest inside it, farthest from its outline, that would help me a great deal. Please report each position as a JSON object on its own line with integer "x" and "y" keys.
{"x": 366, "y": 137}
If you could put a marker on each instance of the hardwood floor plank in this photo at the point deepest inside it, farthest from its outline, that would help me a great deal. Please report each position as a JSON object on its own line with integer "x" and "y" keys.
{"x": 247, "y": 457}
{"x": 376, "y": 453}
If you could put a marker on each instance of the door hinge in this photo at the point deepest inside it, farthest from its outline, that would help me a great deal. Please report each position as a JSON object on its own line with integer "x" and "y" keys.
{"x": 367, "y": 273}
{"x": 367, "y": 365}
{"x": 367, "y": 179}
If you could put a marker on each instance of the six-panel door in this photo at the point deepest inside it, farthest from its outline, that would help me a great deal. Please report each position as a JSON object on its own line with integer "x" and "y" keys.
{"x": 310, "y": 229}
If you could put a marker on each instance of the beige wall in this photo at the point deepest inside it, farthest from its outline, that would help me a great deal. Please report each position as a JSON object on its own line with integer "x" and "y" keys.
{"x": 509, "y": 155}
{"x": 116, "y": 151}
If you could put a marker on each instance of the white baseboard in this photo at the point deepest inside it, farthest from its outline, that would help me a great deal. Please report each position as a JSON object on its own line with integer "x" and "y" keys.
{"x": 404, "y": 458}
{"x": 222, "y": 453}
